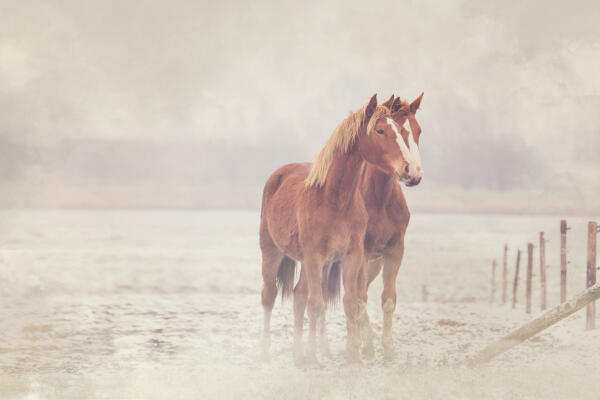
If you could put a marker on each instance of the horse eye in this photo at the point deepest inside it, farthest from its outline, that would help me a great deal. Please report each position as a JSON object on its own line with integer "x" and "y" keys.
{"x": 380, "y": 131}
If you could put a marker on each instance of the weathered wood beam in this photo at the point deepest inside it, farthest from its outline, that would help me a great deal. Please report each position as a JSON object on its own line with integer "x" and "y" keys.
{"x": 534, "y": 327}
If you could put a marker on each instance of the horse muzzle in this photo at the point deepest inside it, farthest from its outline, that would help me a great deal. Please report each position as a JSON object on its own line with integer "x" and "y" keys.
{"x": 413, "y": 181}
{"x": 409, "y": 180}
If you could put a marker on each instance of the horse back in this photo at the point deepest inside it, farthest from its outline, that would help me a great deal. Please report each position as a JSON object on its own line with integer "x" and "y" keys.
{"x": 282, "y": 191}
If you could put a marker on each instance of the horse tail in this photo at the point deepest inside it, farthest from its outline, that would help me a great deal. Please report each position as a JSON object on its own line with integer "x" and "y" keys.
{"x": 285, "y": 277}
{"x": 332, "y": 293}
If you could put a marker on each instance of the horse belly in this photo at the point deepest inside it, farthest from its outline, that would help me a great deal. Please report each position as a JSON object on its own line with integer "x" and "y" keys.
{"x": 283, "y": 229}
{"x": 336, "y": 241}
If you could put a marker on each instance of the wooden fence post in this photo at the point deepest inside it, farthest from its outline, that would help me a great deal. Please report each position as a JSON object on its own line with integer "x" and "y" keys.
{"x": 542, "y": 271}
{"x": 504, "y": 275}
{"x": 515, "y": 282}
{"x": 493, "y": 295}
{"x": 563, "y": 260}
{"x": 528, "y": 280}
{"x": 590, "y": 321}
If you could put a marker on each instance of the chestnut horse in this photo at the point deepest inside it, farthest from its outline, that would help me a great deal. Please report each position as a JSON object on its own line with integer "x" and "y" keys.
{"x": 315, "y": 214}
{"x": 384, "y": 240}
{"x": 388, "y": 220}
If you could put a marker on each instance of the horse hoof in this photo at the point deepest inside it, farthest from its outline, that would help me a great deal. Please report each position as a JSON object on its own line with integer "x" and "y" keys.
{"x": 299, "y": 360}
{"x": 389, "y": 354}
{"x": 307, "y": 361}
{"x": 352, "y": 356}
{"x": 353, "y": 361}
{"x": 311, "y": 360}
{"x": 265, "y": 345}
{"x": 324, "y": 349}
{"x": 368, "y": 351}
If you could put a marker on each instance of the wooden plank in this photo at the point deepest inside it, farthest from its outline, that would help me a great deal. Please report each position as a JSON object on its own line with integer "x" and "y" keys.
{"x": 537, "y": 325}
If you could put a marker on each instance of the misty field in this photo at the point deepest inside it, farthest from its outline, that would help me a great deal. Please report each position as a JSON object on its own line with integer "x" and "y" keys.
{"x": 166, "y": 304}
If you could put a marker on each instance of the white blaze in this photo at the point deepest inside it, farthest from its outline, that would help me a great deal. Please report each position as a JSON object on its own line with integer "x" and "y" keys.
{"x": 411, "y": 152}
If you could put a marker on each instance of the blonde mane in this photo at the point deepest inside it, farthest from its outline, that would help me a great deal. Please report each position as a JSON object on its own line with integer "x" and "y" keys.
{"x": 341, "y": 139}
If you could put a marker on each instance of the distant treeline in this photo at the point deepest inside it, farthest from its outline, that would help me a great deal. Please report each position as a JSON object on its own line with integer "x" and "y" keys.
{"x": 130, "y": 162}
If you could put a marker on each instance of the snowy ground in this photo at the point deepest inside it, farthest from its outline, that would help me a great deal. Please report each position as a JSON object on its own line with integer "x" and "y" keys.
{"x": 166, "y": 305}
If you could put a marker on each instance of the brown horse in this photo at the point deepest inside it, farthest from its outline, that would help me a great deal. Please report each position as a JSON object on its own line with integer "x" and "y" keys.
{"x": 316, "y": 215}
{"x": 384, "y": 240}
{"x": 388, "y": 220}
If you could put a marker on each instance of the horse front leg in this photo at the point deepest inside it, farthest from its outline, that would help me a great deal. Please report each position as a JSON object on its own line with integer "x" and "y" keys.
{"x": 367, "y": 274}
{"x": 388, "y": 299}
{"x": 351, "y": 275}
{"x": 316, "y": 304}
{"x": 322, "y": 325}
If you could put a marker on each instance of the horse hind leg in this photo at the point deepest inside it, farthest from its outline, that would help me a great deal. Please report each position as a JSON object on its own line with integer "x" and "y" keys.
{"x": 316, "y": 304}
{"x": 324, "y": 348}
{"x": 330, "y": 286}
{"x": 300, "y": 299}
{"x": 271, "y": 259}
{"x": 300, "y": 302}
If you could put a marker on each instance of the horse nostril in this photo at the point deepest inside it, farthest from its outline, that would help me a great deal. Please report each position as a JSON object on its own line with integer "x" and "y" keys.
{"x": 406, "y": 169}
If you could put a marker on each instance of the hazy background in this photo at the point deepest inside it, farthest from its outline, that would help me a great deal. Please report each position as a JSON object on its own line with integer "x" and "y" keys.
{"x": 188, "y": 104}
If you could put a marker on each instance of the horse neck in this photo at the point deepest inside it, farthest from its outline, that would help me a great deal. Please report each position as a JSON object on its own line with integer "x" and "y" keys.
{"x": 342, "y": 183}
{"x": 377, "y": 187}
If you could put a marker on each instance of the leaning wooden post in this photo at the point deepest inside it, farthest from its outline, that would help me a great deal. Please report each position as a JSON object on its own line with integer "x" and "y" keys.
{"x": 563, "y": 260}
{"x": 493, "y": 294}
{"x": 528, "y": 281}
{"x": 542, "y": 271}
{"x": 590, "y": 321}
{"x": 504, "y": 275}
{"x": 532, "y": 328}
{"x": 516, "y": 281}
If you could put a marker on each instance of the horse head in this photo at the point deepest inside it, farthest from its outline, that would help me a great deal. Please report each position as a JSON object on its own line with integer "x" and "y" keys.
{"x": 391, "y": 138}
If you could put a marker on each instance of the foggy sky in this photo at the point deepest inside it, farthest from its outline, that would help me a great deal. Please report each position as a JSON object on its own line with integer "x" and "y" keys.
{"x": 512, "y": 91}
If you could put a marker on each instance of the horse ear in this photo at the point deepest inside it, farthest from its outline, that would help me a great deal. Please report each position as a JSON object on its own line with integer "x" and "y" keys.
{"x": 370, "y": 108}
{"x": 389, "y": 102}
{"x": 414, "y": 106}
{"x": 396, "y": 105}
